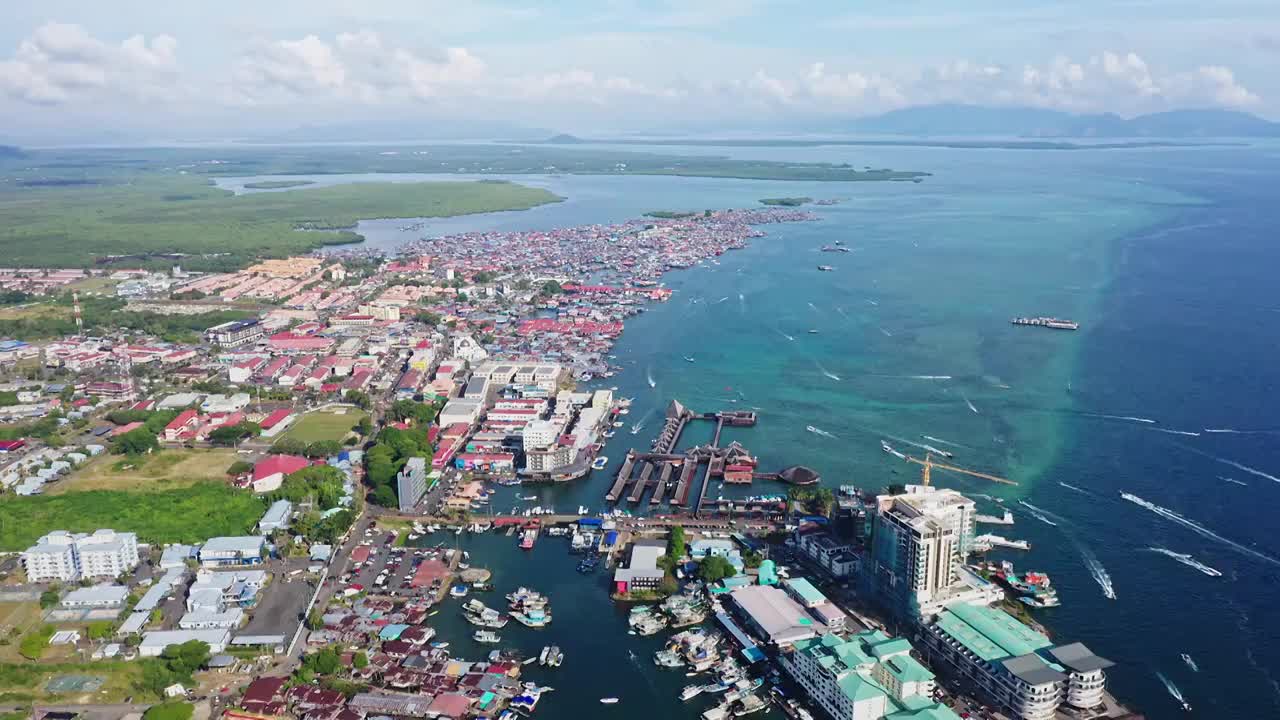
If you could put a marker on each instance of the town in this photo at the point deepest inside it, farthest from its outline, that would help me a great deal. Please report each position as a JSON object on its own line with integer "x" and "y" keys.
{"x": 349, "y": 416}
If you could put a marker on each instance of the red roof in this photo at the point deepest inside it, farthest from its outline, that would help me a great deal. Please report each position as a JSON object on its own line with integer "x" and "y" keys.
{"x": 275, "y": 418}
{"x": 285, "y": 464}
{"x": 263, "y": 690}
{"x": 183, "y": 419}
{"x": 9, "y": 445}
{"x": 360, "y": 554}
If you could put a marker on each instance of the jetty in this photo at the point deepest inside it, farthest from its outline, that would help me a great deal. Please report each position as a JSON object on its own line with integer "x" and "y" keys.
{"x": 669, "y": 475}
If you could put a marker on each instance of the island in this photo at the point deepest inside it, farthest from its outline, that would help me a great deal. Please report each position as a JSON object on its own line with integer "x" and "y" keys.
{"x": 670, "y": 214}
{"x": 787, "y": 201}
{"x": 276, "y": 184}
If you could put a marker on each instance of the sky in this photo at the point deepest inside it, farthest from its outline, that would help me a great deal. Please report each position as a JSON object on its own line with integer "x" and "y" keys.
{"x": 234, "y": 68}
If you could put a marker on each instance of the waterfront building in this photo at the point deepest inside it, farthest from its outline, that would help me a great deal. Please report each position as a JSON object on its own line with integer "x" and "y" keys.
{"x": 411, "y": 483}
{"x": 1013, "y": 666}
{"x": 834, "y": 556}
{"x": 772, "y": 615}
{"x": 642, "y": 571}
{"x": 65, "y": 556}
{"x": 919, "y": 540}
{"x": 866, "y": 677}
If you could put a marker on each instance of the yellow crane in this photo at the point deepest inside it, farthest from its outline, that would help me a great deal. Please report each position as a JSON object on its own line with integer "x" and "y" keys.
{"x": 927, "y": 465}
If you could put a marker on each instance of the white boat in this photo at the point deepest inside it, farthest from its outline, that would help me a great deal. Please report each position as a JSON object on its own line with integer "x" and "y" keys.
{"x": 599, "y": 463}
{"x": 608, "y": 701}
{"x": 486, "y": 636}
{"x": 690, "y": 692}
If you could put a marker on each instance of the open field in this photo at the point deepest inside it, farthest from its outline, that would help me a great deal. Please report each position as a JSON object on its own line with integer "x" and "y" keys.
{"x": 186, "y": 514}
{"x": 25, "y": 682}
{"x": 77, "y": 225}
{"x": 163, "y": 470}
{"x": 324, "y": 425}
{"x": 16, "y": 619}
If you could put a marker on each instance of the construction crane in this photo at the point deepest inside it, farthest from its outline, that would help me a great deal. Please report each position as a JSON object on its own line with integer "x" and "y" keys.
{"x": 927, "y": 465}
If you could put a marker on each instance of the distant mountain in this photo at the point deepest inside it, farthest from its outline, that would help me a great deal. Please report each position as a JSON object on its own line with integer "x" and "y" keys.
{"x": 967, "y": 120}
{"x": 425, "y": 129}
{"x": 563, "y": 139}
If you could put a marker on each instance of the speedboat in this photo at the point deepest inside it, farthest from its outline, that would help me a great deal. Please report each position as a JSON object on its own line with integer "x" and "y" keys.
{"x": 608, "y": 701}
{"x": 599, "y": 463}
{"x": 690, "y": 692}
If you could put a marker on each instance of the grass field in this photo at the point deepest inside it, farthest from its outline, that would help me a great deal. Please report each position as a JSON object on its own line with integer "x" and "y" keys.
{"x": 25, "y": 682}
{"x": 73, "y": 225}
{"x": 164, "y": 470}
{"x": 324, "y": 425}
{"x": 16, "y": 619}
{"x": 189, "y": 514}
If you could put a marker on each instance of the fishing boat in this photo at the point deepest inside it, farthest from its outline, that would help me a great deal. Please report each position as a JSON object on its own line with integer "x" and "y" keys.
{"x": 667, "y": 659}
{"x": 486, "y": 636}
{"x": 690, "y": 692}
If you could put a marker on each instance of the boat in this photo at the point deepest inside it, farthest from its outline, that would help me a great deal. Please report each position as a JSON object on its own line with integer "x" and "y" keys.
{"x": 1047, "y": 322}
{"x": 825, "y": 268}
{"x": 813, "y": 331}
{"x": 690, "y": 692}
{"x": 688, "y": 358}
{"x": 599, "y": 463}
{"x": 458, "y": 591}
{"x": 528, "y": 538}
{"x": 1190, "y": 662}
{"x": 750, "y": 703}
{"x": 542, "y": 657}
{"x": 486, "y": 636}
{"x": 440, "y": 645}
{"x": 608, "y": 701}
{"x": 534, "y": 617}
{"x": 667, "y": 659}
{"x": 887, "y": 448}
{"x": 554, "y": 656}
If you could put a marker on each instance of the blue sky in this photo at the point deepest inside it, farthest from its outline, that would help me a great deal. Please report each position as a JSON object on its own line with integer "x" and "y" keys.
{"x": 140, "y": 66}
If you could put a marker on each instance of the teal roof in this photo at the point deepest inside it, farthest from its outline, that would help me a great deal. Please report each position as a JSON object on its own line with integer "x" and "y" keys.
{"x": 768, "y": 574}
{"x": 989, "y": 633}
{"x": 872, "y": 637}
{"x": 806, "y": 591}
{"x": 906, "y": 669}
{"x": 852, "y": 656}
{"x": 856, "y": 687}
{"x": 890, "y": 647}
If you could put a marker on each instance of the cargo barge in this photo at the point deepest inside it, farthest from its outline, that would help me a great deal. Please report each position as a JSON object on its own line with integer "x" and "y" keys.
{"x": 1047, "y": 322}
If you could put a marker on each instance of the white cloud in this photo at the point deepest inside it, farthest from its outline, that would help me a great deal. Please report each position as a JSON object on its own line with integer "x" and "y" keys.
{"x": 61, "y": 63}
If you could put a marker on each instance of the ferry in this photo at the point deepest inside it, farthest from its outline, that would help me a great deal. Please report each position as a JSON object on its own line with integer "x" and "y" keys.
{"x": 599, "y": 463}
{"x": 1047, "y": 322}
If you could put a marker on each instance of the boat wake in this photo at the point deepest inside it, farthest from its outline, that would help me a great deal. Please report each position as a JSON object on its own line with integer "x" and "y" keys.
{"x": 1232, "y": 480}
{"x": 648, "y": 375}
{"x": 969, "y": 403}
{"x": 813, "y": 307}
{"x": 827, "y": 372}
{"x": 726, "y": 297}
{"x": 1177, "y": 432}
{"x": 1069, "y": 486}
{"x": 792, "y": 339}
{"x": 1037, "y": 513}
{"x": 742, "y": 302}
{"x": 1127, "y": 418}
{"x": 948, "y": 443}
{"x": 1174, "y": 691}
{"x": 1187, "y": 560}
{"x": 1239, "y": 466}
{"x": 886, "y": 332}
{"x": 820, "y": 431}
{"x": 1197, "y": 528}
{"x": 635, "y": 429}
{"x": 1098, "y": 572}
{"x": 1233, "y": 431}
{"x": 843, "y": 314}
{"x": 873, "y": 303}
{"x": 929, "y": 377}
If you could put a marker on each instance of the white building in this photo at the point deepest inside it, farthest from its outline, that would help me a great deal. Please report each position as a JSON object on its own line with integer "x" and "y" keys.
{"x": 98, "y": 596}
{"x": 835, "y": 556}
{"x": 66, "y": 556}
{"x": 154, "y": 643}
{"x": 918, "y": 545}
{"x": 224, "y": 551}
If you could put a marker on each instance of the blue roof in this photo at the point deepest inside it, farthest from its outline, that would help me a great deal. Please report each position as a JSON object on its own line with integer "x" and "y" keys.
{"x": 590, "y": 522}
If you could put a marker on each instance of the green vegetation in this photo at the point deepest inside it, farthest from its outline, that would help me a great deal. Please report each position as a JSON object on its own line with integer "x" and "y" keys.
{"x": 276, "y": 184}
{"x": 190, "y": 514}
{"x": 323, "y": 425}
{"x": 161, "y": 470}
{"x": 817, "y": 500}
{"x": 169, "y": 711}
{"x": 54, "y": 318}
{"x": 137, "y": 441}
{"x": 390, "y": 452}
{"x": 669, "y": 214}
{"x": 229, "y": 435}
{"x": 176, "y": 665}
{"x": 25, "y": 681}
{"x": 156, "y": 218}
{"x": 33, "y": 645}
{"x": 49, "y": 598}
{"x": 319, "y": 482}
{"x": 714, "y": 568}
{"x": 787, "y": 201}
{"x": 675, "y": 542}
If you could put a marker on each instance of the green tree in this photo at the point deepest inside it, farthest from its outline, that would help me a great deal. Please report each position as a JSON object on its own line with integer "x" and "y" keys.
{"x": 675, "y": 542}
{"x": 135, "y": 442}
{"x": 289, "y": 446}
{"x": 100, "y": 630}
{"x": 169, "y": 711}
{"x": 549, "y": 288}
{"x": 239, "y": 467}
{"x": 229, "y": 435}
{"x": 360, "y": 661}
{"x": 184, "y": 659}
{"x": 385, "y": 496}
{"x": 358, "y": 398}
{"x": 714, "y": 568}
{"x": 34, "y": 644}
{"x": 49, "y": 598}
{"x": 668, "y": 585}
{"x": 323, "y": 449}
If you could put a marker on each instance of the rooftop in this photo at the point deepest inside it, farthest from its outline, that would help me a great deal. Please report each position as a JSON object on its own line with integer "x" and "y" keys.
{"x": 989, "y": 633}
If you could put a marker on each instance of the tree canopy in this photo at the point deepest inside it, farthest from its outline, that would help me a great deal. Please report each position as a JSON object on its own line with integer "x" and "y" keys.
{"x": 169, "y": 711}
{"x": 137, "y": 441}
{"x": 714, "y": 568}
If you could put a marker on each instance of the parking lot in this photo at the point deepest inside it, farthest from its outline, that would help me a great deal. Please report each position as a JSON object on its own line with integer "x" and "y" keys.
{"x": 389, "y": 570}
{"x": 283, "y": 601}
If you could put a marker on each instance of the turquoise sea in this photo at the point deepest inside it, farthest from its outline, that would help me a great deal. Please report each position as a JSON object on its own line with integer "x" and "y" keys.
{"x": 1165, "y": 256}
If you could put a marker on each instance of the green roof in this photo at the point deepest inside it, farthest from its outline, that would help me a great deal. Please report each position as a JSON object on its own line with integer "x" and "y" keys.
{"x": 806, "y": 591}
{"x": 856, "y": 687}
{"x": 852, "y": 656}
{"x": 989, "y": 633}
{"x": 907, "y": 669}
{"x": 935, "y": 711}
{"x": 890, "y": 647}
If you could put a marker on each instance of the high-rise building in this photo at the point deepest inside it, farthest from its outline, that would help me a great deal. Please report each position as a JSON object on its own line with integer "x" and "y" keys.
{"x": 66, "y": 556}
{"x": 919, "y": 540}
{"x": 411, "y": 483}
